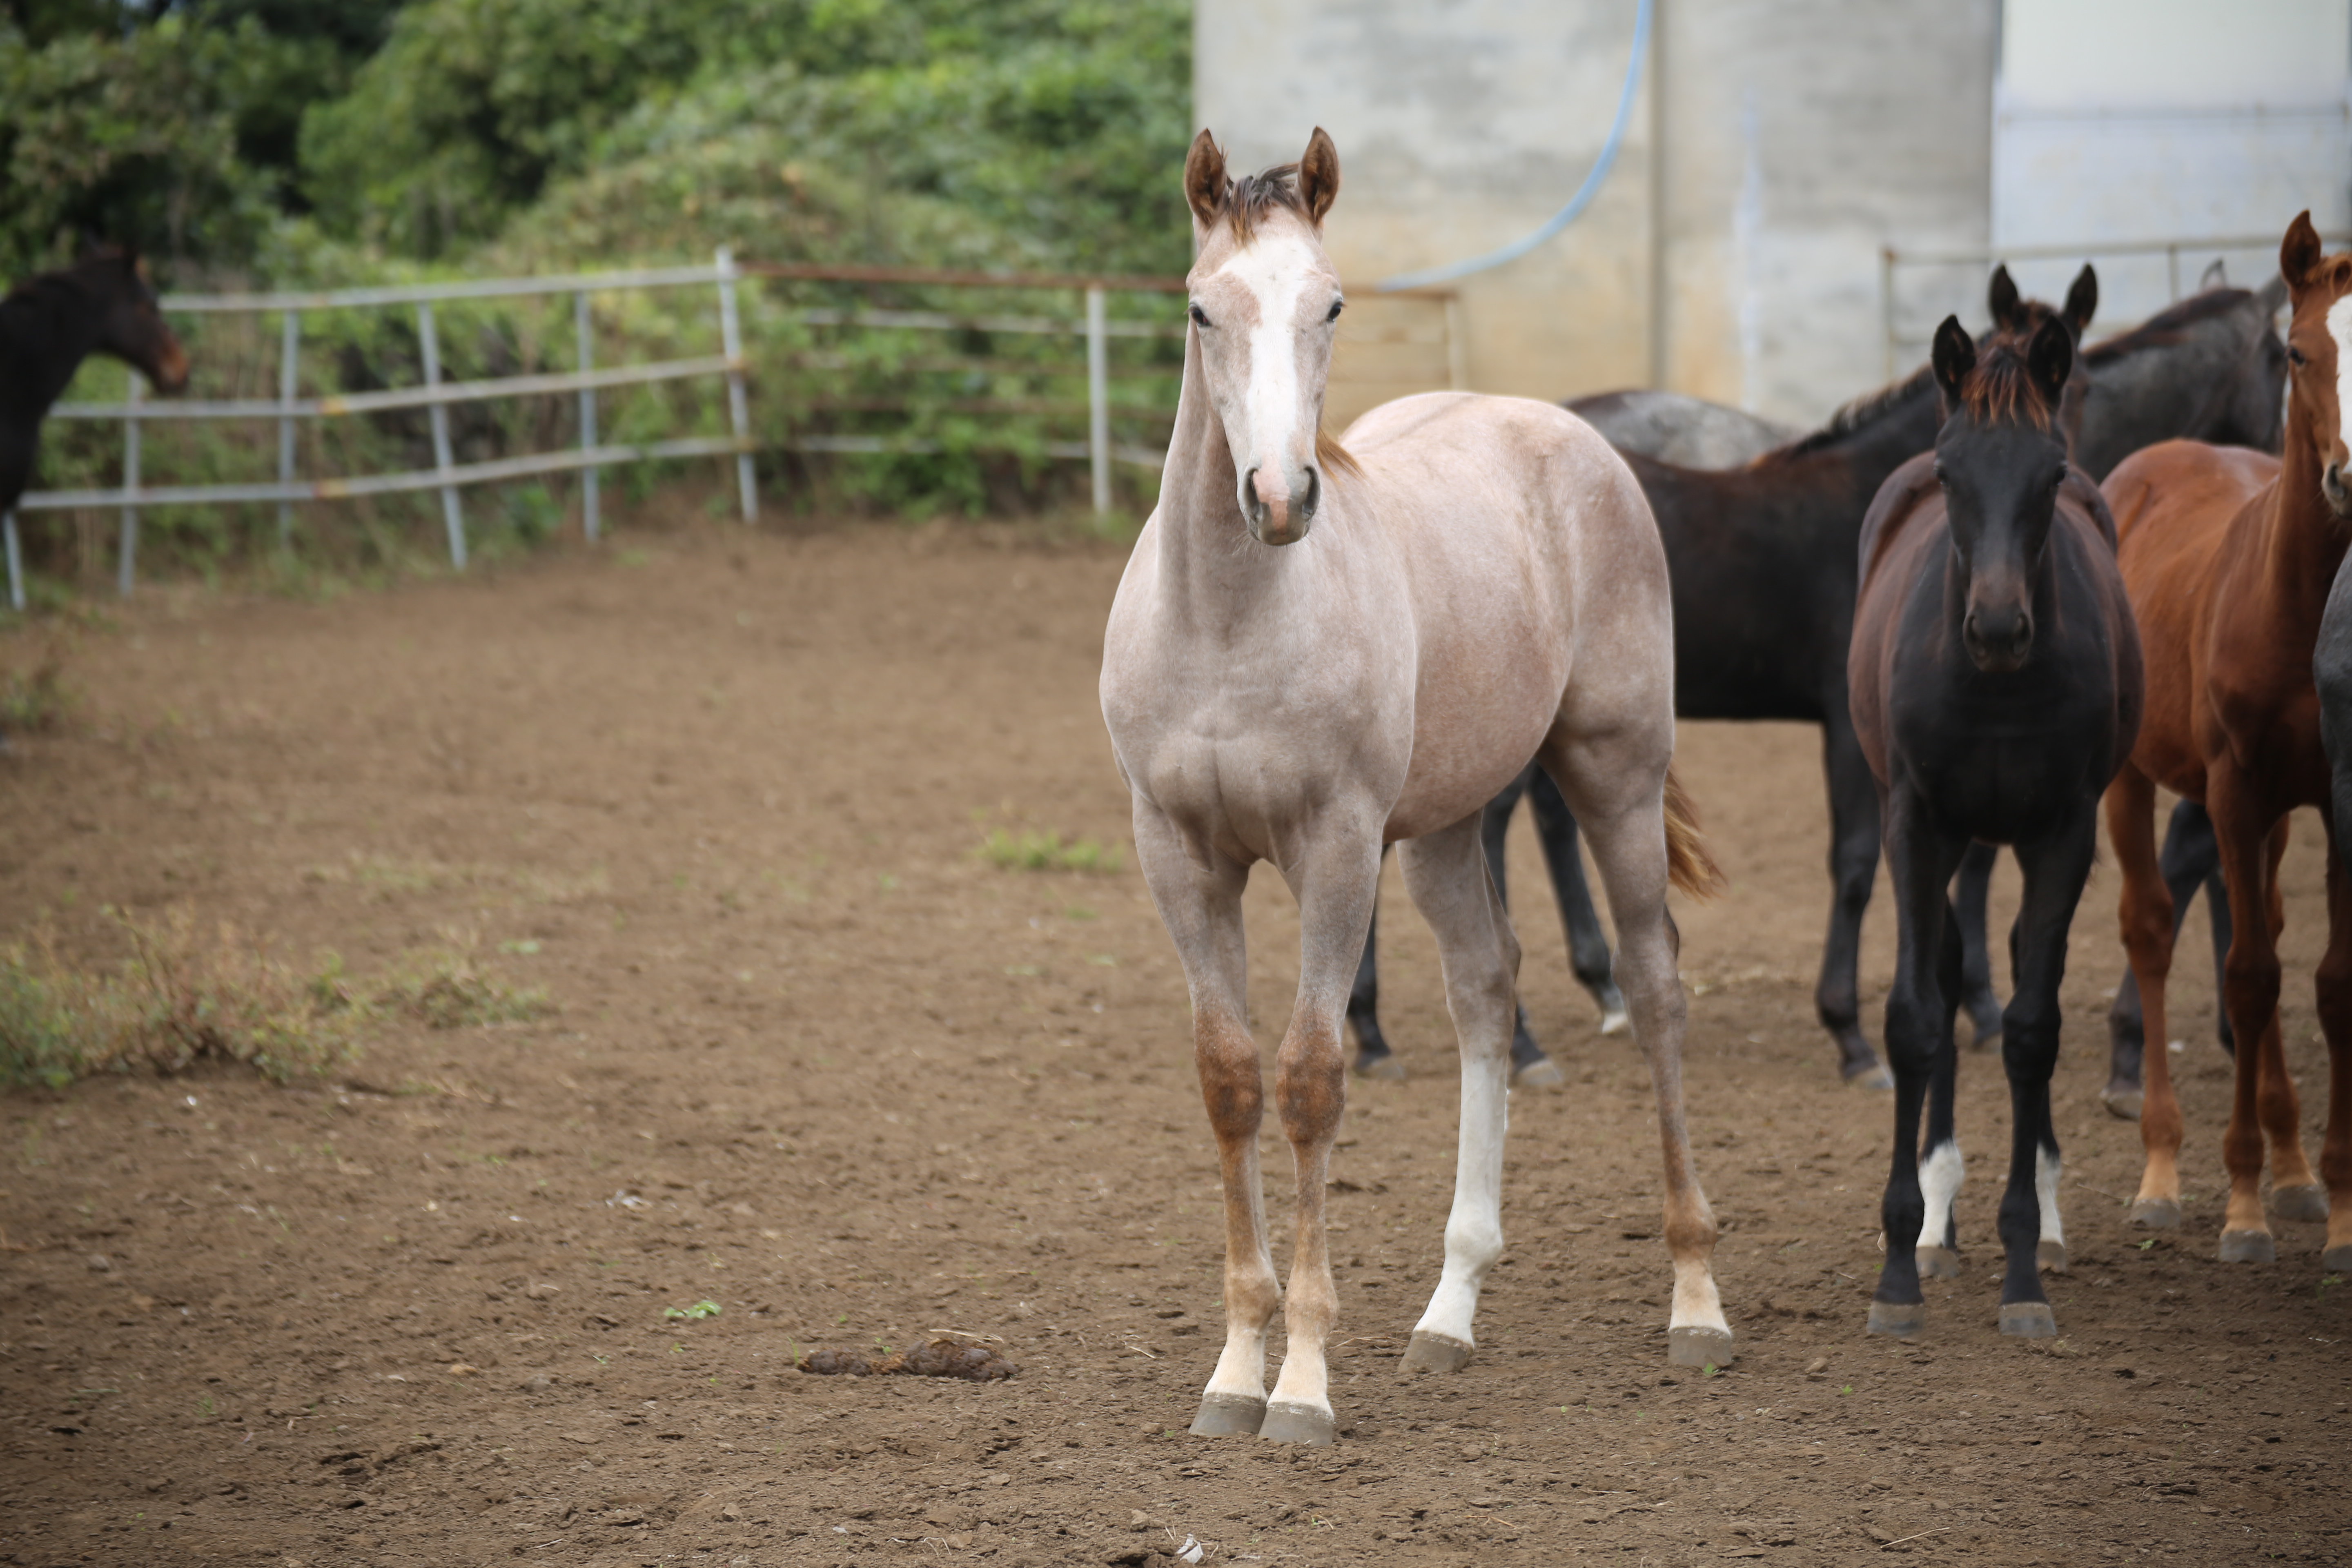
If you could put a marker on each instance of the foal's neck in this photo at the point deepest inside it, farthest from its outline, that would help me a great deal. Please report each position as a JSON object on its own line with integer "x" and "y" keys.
{"x": 46, "y": 328}
{"x": 1212, "y": 574}
{"x": 2306, "y": 539}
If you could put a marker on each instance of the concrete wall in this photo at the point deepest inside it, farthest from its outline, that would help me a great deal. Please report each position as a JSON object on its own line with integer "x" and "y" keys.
{"x": 1798, "y": 136}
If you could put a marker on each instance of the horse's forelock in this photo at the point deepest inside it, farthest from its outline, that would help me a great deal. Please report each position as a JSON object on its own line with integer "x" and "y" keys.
{"x": 1254, "y": 195}
{"x": 1999, "y": 389}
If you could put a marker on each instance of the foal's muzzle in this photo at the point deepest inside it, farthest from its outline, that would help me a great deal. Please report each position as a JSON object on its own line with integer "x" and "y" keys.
{"x": 1281, "y": 519}
{"x": 1999, "y": 639}
{"x": 2338, "y": 494}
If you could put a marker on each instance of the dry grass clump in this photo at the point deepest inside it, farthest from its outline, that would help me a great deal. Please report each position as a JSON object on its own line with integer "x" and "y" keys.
{"x": 185, "y": 995}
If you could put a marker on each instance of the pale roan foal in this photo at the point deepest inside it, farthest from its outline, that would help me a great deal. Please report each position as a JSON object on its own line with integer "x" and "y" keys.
{"x": 1316, "y": 650}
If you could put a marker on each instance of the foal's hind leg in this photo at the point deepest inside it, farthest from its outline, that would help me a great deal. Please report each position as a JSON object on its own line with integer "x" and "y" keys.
{"x": 1446, "y": 874}
{"x": 1617, "y": 798}
{"x": 1530, "y": 1067}
{"x": 2191, "y": 861}
{"x": 1970, "y": 894}
{"x": 2145, "y": 913}
{"x": 1203, "y": 911}
{"x": 1853, "y": 865}
{"x": 1588, "y": 944}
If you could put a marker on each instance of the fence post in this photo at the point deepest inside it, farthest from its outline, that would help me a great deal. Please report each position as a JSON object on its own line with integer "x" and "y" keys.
{"x": 451, "y": 517}
{"x": 1098, "y": 397}
{"x": 126, "y": 571}
{"x": 15, "y": 562}
{"x": 289, "y": 384}
{"x": 590, "y": 522}
{"x": 739, "y": 409}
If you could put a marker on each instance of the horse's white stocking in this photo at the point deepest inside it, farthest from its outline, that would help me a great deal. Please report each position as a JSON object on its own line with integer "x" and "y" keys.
{"x": 1446, "y": 874}
{"x": 1625, "y": 828}
{"x": 1940, "y": 1175}
{"x": 2051, "y": 1251}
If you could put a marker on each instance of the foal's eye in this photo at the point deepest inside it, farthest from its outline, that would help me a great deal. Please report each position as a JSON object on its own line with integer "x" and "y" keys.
{"x": 2293, "y": 355}
{"x": 1337, "y": 306}
{"x": 1200, "y": 316}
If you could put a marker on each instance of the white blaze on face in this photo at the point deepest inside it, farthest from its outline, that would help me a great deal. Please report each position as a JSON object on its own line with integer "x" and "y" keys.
{"x": 2339, "y": 327}
{"x": 1276, "y": 270}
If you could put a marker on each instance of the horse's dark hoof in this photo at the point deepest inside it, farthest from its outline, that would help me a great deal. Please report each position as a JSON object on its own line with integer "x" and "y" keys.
{"x": 1228, "y": 1416}
{"x": 2050, "y": 1256}
{"x": 2028, "y": 1320}
{"x": 1384, "y": 1067}
{"x": 1436, "y": 1353}
{"x": 1940, "y": 1262}
{"x": 2248, "y": 1247}
{"x": 1899, "y": 1320}
{"x": 1298, "y": 1423}
{"x": 1869, "y": 1074}
{"x": 2308, "y": 1203}
{"x": 2155, "y": 1214}
{"x": 1541, "y": 1073}
{"x": 1695, "y": 1346}
{"x": 1984, "y": 1027}
{"x": 2337, "y": 1259}
{"x": 2123, "y": 1100}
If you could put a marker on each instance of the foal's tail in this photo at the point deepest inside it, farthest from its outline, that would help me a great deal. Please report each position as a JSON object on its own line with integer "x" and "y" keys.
{"x": 1689, "y": 866}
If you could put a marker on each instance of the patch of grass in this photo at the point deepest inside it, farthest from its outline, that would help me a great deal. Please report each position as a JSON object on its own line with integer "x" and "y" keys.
{"x": 701, "y": 1309}
{"x": 35, "y": 698}
{"x": 184, "y": 995}
{"x": 1032, "y": 849}
{"x": 451, "y": 988}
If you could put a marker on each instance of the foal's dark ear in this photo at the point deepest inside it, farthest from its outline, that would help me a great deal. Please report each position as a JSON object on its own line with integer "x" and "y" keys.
{"x": 2271, "y": 296}
{"x": 1318, "y": 175}
{"x": 1954, "y": 356}
{"x": 2215, "y": 276}
{"x": 2081, "y": 300}
{"x": 2299, "y": 254}
{"x": 2004, "y": 300}
{"x": 2049, "y": 360}
{"x": 1205, "y": 185}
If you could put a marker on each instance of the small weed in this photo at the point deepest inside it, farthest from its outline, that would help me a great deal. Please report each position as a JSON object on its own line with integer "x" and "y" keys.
{"x": 450, "y": 989}
{"x": 700, "y": 1311}
{"x": 2319, "y": 1291}
{"x": 1711, "y": 1370}
{"x": 1847, "y": 1389}
{"x": 1029, "y": 849}
{"x": 37, "y": 699}
{"x": 2148, "y": 1243}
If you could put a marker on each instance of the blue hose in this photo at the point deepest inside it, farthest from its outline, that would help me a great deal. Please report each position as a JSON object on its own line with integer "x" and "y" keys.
{"x": 1576, "y": 203}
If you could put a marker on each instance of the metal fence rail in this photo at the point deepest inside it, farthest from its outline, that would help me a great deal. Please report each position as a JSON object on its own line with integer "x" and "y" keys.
{"x": 1094, "y": 326}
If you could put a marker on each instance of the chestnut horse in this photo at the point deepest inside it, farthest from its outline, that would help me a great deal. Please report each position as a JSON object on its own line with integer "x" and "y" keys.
{"x": 1996, "y": 685}
{"x": 2229, "y": 556}
{"x": 1316, "y": 650}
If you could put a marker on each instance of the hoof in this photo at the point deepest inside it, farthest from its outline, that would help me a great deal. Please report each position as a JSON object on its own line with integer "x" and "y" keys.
{"x": 2050, "y": 1256}
{"x": 1541, "y": 1073}
{"x": 1384, "y": 1067}
{"x": 2123, "y": 1100}
{"x": 1616, "y": 1021}
{"x": 1436, "y": 1353}
{"x": 2028, "y": 1320}
{"x": 2248, "y": 1247}
{"x": 1695, "y": 1346}
{"x": 1228, "y": 1416}
{"x": 2156, "y": 1214}
{"x": 1899, "y": 1320}
{"x": 1298, "y": 1423}
{"x": 2337, "y": 1259}
{"x": 2300, "y": 1203}
{"x": 1938, "y": 1262}
{"x": 1870, "y": 1074}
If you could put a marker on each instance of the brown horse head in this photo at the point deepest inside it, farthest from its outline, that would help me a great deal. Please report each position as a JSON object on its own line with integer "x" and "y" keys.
{"x": 1265, "y": 304}
{"x": 2000, "y": 459}
{"x": 130, "y": 322}
{"x": 2319, "y": 357}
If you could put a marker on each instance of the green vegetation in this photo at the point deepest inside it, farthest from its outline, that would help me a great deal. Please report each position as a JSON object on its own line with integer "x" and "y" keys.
{"x": 283, "y": 142}
{"x": 188, "y": 994}
{"x": 34, "y": 696}
{"x": 1031, "y": 849}
{"x": 700, "y": 1311}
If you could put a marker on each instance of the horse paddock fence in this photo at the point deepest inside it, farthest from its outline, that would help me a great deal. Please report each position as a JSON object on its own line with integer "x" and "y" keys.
{"x": 825, "y": 330}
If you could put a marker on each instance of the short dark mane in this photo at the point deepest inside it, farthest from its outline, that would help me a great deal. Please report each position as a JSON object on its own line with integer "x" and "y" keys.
{"x": 2168, "y": 325}
{"x": 1864, "y": 410}
{"x": 1998, "y": 389}
{"x": 1255, "y": 195}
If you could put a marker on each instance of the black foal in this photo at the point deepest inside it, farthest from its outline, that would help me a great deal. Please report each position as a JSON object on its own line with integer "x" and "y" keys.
{"x": 1996, "y": 683}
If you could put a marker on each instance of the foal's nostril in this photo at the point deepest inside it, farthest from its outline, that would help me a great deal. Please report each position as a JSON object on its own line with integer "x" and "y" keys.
{"x": 1252, "y": 501}
{"x": 1314, "y": 496}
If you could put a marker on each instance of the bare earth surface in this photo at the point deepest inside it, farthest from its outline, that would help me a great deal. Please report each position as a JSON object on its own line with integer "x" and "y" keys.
{"x": 817, "y": 1062}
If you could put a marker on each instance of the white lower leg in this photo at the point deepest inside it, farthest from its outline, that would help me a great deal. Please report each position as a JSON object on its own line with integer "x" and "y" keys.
{"x": 1940, "y": 1175}
{"x": 2047, "y": 1169}
{"x": 1473, "y": 1231}
{"x": 1697, "y": 1303}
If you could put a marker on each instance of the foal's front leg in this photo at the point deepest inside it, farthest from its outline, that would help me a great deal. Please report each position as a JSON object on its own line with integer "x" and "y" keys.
{"x": 1335, "y": 884}
{"x": 1203, "y": 911}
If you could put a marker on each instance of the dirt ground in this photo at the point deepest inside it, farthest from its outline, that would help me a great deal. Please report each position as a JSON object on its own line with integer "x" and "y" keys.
{"x": 815, "y": 1060}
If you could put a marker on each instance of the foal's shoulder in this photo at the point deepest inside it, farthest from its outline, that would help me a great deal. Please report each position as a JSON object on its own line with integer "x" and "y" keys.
{"x": 1894, "y": 504}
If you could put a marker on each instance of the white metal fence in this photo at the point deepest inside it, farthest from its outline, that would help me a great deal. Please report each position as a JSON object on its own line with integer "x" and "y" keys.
{"x": 1094, "y": 324}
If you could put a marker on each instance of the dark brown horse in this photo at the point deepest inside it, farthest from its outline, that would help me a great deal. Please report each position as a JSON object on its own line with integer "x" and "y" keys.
{"x": 102, "y": 304}
{"x": 2229, "y": 556}
{"x": 1995, "y": 673}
